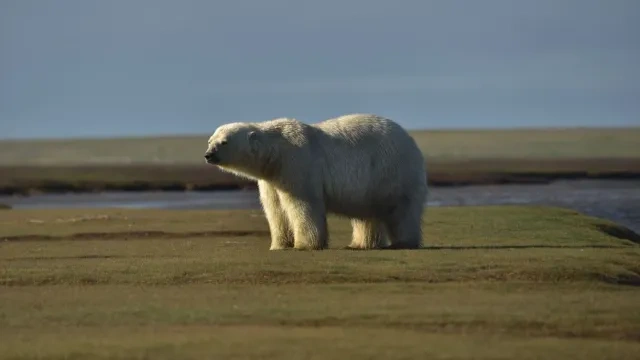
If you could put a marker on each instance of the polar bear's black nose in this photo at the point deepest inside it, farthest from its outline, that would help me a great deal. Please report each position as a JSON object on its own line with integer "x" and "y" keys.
{"x": 211, "y": 157}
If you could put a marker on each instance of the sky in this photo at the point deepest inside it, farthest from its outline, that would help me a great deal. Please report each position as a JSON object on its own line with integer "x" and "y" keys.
{"x": 95, "y": 68}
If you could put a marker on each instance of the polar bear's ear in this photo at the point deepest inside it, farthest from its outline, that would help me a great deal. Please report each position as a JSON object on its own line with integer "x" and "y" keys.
{"x": 252, "y": 136}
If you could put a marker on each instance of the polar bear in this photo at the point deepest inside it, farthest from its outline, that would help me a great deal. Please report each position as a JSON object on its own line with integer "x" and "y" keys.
{"x": 361, "y": 166}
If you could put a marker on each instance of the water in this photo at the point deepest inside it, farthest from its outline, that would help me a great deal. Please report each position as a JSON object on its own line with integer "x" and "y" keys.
{"x": 618, "y": 201}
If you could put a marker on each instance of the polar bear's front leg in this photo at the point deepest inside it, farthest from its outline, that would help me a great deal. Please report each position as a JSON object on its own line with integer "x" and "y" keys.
{"x": 281, "y": 234}
{"x": 308, "y": 220}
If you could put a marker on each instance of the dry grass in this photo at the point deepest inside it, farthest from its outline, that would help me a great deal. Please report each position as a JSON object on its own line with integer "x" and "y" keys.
{"x": 531, "y": 144}
{"x": 438, "y": 145}
{"x": 494, "y": 282}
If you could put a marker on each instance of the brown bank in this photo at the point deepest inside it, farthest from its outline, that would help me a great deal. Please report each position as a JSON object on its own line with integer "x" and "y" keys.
{"x": 160, "y": 177}
{"x": 455, "y": 158}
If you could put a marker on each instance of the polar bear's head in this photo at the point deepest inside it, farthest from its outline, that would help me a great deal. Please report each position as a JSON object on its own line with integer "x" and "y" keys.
{"x": 237, "y": 148}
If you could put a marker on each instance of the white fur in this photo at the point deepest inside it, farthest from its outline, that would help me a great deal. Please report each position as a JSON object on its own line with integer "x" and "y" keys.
{"x": 362, "y": 166}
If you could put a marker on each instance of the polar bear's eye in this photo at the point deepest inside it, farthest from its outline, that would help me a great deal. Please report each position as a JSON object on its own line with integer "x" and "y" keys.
{"x": 223, "y": 142}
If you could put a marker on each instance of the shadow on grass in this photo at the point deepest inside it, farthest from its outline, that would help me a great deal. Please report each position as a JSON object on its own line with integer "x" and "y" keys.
{"x": 523, "y": 246}
{"x": 501, "y": 247}
{"x": 87, "y": 257}
{"x": 615, "y": 231}
{"x": 491, "y": 247}
{"x": 131, "y": 235}
{"x": 619, "y": 232}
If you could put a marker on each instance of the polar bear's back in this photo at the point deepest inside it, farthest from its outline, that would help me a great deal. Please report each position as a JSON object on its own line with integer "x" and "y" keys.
{"x": 367, "y": 160}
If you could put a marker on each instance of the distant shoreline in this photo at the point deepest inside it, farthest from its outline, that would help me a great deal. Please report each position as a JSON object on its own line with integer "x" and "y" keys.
{"x": 28, "y": 180}
{"x": 454, "y": 158}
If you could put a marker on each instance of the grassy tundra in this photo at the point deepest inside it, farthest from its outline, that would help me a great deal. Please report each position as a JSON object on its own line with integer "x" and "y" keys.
{"x": 495, "y": 282}
{"x": 455, "y": 157}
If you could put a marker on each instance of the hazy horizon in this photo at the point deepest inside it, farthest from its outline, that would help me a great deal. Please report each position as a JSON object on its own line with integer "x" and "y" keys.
{"x": 98, "y": 69}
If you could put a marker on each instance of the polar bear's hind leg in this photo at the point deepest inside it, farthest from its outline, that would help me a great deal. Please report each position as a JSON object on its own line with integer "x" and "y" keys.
{"x": 367, "y": 234}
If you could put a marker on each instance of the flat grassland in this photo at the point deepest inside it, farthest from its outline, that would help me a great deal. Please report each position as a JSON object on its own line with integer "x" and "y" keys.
{"x": 494, "y": 282}
{"x": 455, "y": 158}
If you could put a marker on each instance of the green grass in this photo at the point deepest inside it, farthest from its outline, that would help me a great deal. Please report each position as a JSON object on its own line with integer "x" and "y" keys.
{"x": 493, "y": 282}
